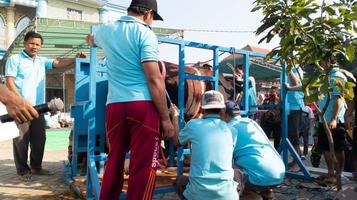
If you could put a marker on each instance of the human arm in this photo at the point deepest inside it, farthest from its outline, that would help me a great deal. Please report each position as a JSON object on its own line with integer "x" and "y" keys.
{"x": 90, "y": 40}
{"x": 295, "y": 77}
{"x": 10, "y": 84}
{"x": 19, "y": 109}
{"x": 293, "y": 88}
{"x": 174, "y": 118}
{"x": 156, "y": 87}
{"x": 295, "y": 80}
{"x": 64, "y": 62}
{"x": 338, "y": 102}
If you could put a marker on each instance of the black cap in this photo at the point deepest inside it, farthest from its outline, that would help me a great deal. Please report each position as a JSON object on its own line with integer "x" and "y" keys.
{"x": 149, "y": 4}
{"x": 232, "y": 108}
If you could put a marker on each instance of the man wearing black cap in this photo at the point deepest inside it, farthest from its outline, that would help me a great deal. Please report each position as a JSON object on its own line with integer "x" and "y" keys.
{"x": 136, "y": 103}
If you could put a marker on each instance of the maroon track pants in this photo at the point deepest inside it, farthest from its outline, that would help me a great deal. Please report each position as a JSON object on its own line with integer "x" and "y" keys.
{"x": 131, "y": 126}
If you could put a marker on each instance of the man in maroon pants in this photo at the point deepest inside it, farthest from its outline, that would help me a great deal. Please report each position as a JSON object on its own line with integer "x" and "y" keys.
{"x": 136, "y": 104}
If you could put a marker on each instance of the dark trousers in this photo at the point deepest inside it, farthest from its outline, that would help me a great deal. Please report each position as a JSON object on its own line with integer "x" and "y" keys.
{"x": 35, "y": 137}
{"x": 272, "y": 129}
{"x": 294, "y": 126}
{"x": 304, "y": 131}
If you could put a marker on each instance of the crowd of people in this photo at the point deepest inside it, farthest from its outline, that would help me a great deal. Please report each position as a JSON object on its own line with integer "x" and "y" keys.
{"x": 231, "y": 155}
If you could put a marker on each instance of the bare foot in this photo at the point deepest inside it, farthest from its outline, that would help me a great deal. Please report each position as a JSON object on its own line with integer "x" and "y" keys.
{"x": 294, "y": 168}
{"x": 268, "y": 194}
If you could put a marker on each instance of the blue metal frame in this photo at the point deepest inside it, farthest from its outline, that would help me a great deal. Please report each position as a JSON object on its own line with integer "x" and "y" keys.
{"x": 285, "y": 146}
{"x": 90, "y": 111}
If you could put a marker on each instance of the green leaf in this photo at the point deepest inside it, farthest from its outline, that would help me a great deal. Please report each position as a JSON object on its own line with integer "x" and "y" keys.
{"x": 348, "y": 74}
{"x": 330, "y": 11}
{"x": 267, "y": 24}
{"x": 334, "y": 21}
{"x": 313, "y": 97}
{"x": 256, "y": 8}
{"x": 349, "y": 93}
{"x": 339, "y": 83}
{"x": 297, "y": 9}
{"x": 350, "y": 53}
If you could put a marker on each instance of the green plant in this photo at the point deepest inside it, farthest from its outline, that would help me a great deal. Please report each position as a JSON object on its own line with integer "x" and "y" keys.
{"x": 311, "y": 32}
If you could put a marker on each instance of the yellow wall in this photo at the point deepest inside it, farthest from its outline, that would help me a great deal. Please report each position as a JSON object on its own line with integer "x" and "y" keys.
{"x": 58, "y": 10}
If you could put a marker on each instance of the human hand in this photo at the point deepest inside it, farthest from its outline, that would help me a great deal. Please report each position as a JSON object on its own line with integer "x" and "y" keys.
{"x": 167, "y": 129}
{"x": 287, "y": 86}
{"x": 81, "y": 55}
{"x": 332, "y": 124}
{"x": 20, "y": 110}
{"x": 174, "y": 111}
{"x": 90, "y": 40}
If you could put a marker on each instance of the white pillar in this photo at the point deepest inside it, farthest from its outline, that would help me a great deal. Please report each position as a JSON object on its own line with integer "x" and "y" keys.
{"x": 103, "y": 15}
{"x": 41, "y": 10}
{"x": 10, "y": 18}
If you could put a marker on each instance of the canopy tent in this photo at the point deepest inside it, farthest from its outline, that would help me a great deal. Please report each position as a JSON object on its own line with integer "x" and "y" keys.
{"x": 259, "y": 68}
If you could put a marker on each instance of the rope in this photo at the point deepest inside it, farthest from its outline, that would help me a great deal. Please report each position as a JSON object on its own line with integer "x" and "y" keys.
{"x": 164, "y": 160}
{"x": 234, "y": 73}
{"x": 74, "y": 49}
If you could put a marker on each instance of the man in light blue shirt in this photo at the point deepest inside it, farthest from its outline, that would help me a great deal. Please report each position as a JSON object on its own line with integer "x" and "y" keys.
{"x": 254, "y": 155}
{"x": 212, "y": 143}
{"x": 295, "y": 97}
{"x": 25, "y": 76}
{"x": 334, "y": 116}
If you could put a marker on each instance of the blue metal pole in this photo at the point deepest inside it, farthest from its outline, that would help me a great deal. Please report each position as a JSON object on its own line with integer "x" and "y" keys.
{"x": 285, "y": 145}
{"x": 246, "y": 83}
{"x": 181, "y": 101}
{"x": 93, "y": 186}
{"x": 284, "y": 123}
{"x": 215, "y": 72}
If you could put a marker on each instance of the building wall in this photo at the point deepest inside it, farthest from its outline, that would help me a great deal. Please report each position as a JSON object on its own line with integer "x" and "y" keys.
{"x": 2, "y": 29}
{"x": 59, "y": 10}
{"x": 20, "y": 12}
{"x": 113, "y": 15}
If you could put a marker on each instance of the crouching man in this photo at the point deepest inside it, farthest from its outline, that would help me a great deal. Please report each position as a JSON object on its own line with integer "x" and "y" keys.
{"x": 212, "y": 144}
{"x": 258, "y": 167}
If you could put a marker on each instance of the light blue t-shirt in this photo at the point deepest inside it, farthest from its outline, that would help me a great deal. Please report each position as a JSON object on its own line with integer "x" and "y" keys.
{"x": 296, "y": 98}
{"x": 252, "y": 97}
{"x": 340, "y": 117}
{"x": 211, "y": 172}
{"x": 30, "y": 76}
{"x": 127, "y": 43}
{"x": 255, "y": 155}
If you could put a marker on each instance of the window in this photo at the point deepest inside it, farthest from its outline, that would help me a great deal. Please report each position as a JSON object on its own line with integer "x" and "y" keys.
{"x": 21, "y": 25}
{"x": 73, "y": 14}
